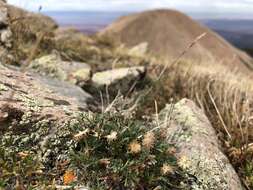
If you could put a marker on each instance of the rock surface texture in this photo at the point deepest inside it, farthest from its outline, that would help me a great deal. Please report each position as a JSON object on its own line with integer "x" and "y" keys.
{"x": 198, "y": 149}
{"x": 44, "y": 97}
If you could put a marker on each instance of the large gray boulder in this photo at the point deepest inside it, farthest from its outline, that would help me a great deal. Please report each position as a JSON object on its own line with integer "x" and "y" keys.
{"x": 198, "y": 149}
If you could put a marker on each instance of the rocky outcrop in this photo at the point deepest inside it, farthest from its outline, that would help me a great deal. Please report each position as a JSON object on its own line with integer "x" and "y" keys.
{"x": 5, "y": 30}
{"x": 198, "y": 148}
{"x": 27, "y": 93}
{"x": 52, "y": 65}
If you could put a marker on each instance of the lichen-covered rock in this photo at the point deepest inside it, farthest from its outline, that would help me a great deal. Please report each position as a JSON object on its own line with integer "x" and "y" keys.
{"x": 52, "y": 65}
{"x": 43, "y": 96}
{"x": 198, "y": 149}
{"x": 121, "y": 79}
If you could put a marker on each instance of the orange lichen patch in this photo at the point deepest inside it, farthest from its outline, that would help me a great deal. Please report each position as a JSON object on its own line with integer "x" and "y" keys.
{"x": 69, "y": 177}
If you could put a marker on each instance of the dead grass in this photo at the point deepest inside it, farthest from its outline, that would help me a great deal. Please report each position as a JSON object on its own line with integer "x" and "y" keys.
{"x": 24, "y": 39}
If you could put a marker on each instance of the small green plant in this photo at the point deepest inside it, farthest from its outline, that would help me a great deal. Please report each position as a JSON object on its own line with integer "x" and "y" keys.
{"x": 118, "y": 153}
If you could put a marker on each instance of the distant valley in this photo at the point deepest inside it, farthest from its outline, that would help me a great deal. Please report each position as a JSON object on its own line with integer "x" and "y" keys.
{"x": 238, "y": 32}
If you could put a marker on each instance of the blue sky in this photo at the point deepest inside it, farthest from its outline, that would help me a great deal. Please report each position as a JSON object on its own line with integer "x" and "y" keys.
{"x": 239, "y": 6}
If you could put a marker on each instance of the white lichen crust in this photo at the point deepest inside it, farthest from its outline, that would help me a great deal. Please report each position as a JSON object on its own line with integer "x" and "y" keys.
{"x": 198, "y": 148}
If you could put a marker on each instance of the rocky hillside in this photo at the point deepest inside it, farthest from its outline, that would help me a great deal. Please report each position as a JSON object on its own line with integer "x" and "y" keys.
{"x": 79, "y": 112}
{"x": 168, "y": 33}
